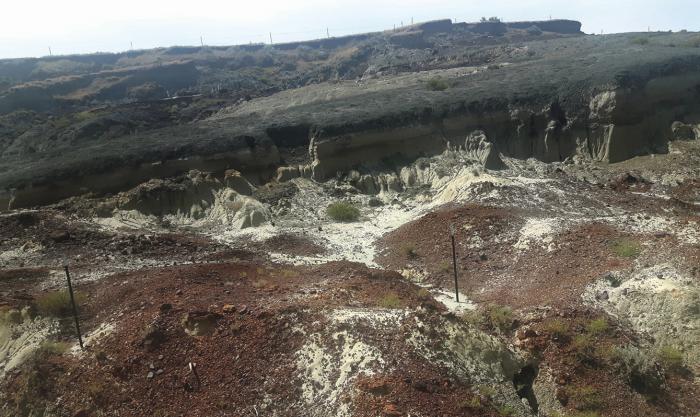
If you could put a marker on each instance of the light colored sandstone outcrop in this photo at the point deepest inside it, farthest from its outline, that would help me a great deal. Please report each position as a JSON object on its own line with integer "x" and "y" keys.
{"x": 237, "y": 182}
{"x": 478, "y": 147}
{"x": 288, "y": 173}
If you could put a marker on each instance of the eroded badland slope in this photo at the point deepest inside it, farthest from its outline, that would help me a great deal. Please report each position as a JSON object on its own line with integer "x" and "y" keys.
{"x": 263, "y": 230}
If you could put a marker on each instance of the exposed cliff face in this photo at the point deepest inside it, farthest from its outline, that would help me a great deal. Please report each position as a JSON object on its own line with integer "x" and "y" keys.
{"x": 255, "y": 158}
{"x": 557, "y": 97}
{"x": 616, "y": 125}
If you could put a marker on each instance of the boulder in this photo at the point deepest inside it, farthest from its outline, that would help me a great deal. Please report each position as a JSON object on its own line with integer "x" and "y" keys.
{"x": 251, "y": 213}
{"x": 478, "y": 147}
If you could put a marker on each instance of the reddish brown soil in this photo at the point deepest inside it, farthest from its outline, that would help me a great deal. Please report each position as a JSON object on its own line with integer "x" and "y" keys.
{"x": 291, "y": 244}
{"x": 255, "y": 306}
{"x": 688, "y": 191}
{"x": 599, "y": 370}
{"x": 14, "y": 284}
{"x": 497, "y": 272}
{"x": 248, "y": 357}
{"x": 419, "y": 389}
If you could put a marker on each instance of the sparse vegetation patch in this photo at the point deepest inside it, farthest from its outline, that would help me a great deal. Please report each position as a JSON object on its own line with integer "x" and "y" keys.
{"x": 57, "y": 303}
{"x": 437, "y": 84}
{"x": 343, "y": 212}
{"x": 390, "y": 300}
{"x": 626, "y": 248}
{"x": 557, "y": 328}
{"x": 671, "y": 358}
{"x": 500, "y": 317}
{"x": 597, "y": 326}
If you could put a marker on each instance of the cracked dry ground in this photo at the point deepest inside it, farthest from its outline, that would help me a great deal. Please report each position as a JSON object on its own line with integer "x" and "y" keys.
{"x": 343, "y": 339}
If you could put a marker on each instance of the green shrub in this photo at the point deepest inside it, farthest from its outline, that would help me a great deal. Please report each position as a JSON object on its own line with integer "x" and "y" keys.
{"x": 390, "y": 300}
{"x": 557, "y": 328}
{"x": 588, "y": 413}
{"x": 626, "y": 248}
{"x": 474, "y": 403}
{"x": 343, "y": 212}
{"x": 642, "y": 40}
{"x": 597, "y": 327}
{"x": 500, "y": 317}
{"x": 671, "y": 358}
{"x": 486, "y": 391}
{"x": 585, "y": 398}
{"x": 473, "y": 318}
{"x": 505, "y": 410}
{"x": 57, "y": 303}
{"x": 640, "y": 370}
{"x": 584, "y": 348}
{"x": 437, "y": 84}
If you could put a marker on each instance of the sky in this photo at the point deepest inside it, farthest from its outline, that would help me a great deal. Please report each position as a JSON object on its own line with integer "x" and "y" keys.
{"x": 29, "y": 28}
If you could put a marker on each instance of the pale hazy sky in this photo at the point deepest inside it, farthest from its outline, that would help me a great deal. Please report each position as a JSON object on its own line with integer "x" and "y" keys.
{"x": 29, "y": 27}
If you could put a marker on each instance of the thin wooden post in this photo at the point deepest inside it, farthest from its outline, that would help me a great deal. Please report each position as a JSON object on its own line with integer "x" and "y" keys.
{"x": 75, "y": 310}
{"x": 454, "y": 260}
